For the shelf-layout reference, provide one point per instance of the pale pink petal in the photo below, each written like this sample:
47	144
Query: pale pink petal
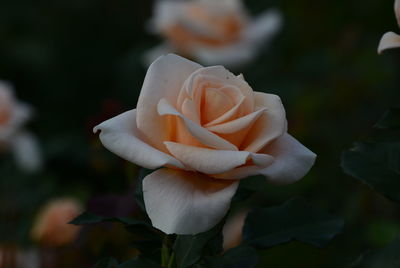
269	126
240	172
164	79
397	10
184	202
228	115
26	151
389	40
233	229
292	160
201	134
237	124
264	27
225	77
211	161
121	136
189	110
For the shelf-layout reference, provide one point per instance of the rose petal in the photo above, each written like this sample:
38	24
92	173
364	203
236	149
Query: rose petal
201	134
26	151
164	79
225	77
121	136
397	10
389	40
237	124
189	110
210	161
228	115
292	160
183	202
264	27
269	126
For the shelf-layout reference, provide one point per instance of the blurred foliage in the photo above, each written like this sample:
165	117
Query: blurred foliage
80	62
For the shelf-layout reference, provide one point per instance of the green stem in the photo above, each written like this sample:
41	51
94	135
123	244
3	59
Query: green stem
164	255
171	260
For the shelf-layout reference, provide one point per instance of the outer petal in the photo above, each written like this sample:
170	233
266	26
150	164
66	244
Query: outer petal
164	79
389	40
292	161
121	136
210	161
183	202
201	134
26	151
263	28
259	33
269	126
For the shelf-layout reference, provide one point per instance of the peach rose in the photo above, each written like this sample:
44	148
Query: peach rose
13	115
52	228
212	32
209	129
390	39
233	229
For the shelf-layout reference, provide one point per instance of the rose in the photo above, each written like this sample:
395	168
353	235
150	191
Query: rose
390	39
13	115
233	229
51	226
209	129
212	32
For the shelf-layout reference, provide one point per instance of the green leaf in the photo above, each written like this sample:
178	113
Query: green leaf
387	257
390	120
377	165
107	263
239	257
189	248
89	218
294	220
139	262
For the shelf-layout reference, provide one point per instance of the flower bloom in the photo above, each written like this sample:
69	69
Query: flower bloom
209	129
13	115
51	227
233	229
390	39
212	32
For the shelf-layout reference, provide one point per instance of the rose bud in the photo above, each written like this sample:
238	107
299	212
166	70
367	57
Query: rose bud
51	227
390	39
212	32
208	129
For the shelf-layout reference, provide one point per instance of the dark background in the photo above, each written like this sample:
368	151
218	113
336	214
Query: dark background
80	62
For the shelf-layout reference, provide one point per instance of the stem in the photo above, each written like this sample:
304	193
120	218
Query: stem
171	260
165	254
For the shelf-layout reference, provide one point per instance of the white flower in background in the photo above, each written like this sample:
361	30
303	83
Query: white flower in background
390	39
13	115
212	32
208	129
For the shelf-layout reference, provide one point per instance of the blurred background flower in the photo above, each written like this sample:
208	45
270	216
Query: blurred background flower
13	116
212	32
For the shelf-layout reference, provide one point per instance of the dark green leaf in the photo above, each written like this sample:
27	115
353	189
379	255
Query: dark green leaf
387	257
294	220
239	257
107	263
390	120
189	248
89	218
377	165
139	262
